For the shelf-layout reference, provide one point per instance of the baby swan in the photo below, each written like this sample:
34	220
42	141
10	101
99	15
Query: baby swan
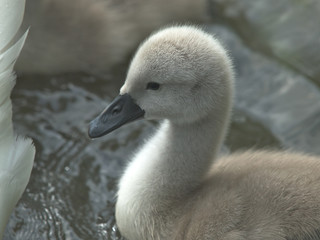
175	187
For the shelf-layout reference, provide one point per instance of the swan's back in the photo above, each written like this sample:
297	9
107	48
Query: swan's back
256	195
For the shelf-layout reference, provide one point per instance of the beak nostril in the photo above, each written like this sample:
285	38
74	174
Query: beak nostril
116	110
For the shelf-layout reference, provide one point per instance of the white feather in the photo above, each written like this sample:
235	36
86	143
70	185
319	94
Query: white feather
10	20
16	153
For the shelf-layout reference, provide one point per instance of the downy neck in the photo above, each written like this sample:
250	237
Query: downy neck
166	170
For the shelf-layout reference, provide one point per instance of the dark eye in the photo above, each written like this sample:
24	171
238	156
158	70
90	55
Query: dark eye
153	86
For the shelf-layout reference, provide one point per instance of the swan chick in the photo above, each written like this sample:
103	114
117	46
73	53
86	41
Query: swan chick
176	186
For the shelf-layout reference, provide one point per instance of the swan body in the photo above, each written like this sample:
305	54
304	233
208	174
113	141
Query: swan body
176	186
94	36
16	153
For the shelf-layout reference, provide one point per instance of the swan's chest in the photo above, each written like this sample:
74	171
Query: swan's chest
140	220
141	206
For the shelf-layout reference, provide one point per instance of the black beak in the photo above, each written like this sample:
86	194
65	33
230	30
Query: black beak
121	110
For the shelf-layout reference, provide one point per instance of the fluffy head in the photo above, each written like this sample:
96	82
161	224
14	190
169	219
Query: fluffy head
191	68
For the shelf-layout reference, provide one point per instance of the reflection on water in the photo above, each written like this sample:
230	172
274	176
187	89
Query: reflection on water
71	194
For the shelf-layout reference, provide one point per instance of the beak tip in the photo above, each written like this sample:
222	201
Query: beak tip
92	130
93	135
90	133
